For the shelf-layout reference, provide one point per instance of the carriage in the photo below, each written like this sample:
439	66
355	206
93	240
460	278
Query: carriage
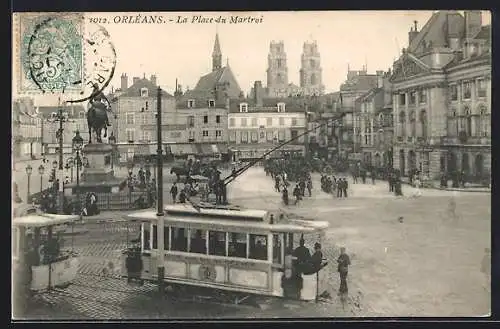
39	260
224	248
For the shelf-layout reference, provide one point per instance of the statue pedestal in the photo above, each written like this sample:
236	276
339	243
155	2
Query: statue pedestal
98	176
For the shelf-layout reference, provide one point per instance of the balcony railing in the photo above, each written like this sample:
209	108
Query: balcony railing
471	140
400	139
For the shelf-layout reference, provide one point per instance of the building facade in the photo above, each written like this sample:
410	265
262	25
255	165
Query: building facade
257	125
357	84
442	98
135	125
74	120
26	134
374	123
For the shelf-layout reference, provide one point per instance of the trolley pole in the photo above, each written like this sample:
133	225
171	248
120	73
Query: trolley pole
160	212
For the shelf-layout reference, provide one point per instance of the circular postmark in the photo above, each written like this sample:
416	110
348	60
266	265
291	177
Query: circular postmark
208	272
61	57
100	63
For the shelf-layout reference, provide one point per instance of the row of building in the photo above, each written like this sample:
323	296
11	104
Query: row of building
430	111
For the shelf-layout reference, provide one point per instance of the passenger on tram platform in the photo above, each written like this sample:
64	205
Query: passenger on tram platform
182	197
302	252
260	251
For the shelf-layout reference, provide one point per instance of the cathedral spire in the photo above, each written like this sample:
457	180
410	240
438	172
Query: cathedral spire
216	54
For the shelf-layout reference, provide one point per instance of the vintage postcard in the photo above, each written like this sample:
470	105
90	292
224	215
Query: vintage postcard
236	165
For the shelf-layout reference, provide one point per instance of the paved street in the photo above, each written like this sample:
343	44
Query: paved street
428	265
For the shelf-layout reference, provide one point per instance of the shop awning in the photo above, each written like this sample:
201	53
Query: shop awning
180	149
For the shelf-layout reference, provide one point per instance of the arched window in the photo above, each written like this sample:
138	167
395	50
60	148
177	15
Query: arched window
453	123
279	78
484	122
402	123
423	123
313	79
413	124
381	120
312	63
467	122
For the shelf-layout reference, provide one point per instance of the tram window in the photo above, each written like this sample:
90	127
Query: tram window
237	245
217	243
179	239
155	237
277	248
145	241
258	247
165	237
198	242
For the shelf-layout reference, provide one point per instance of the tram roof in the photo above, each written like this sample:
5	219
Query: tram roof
291	225
234	212
43	220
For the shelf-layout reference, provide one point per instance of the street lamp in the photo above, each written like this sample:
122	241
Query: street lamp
41	171
29	170
77	146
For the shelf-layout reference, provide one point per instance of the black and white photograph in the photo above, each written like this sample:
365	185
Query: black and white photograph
251	165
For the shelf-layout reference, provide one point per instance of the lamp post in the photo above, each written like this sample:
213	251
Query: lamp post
160	214
41	171
29	170
77	146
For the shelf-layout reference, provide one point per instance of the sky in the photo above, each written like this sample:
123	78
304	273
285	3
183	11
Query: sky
183	50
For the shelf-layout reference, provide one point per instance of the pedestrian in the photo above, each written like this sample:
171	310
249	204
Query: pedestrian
285	196
309	186
343	268
296	193
373	176
182	197
173	192
345	185
340	184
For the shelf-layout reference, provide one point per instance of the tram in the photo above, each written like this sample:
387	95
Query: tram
38	259
225	248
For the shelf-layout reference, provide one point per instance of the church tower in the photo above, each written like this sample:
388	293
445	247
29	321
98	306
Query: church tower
277	71
310	72
216	55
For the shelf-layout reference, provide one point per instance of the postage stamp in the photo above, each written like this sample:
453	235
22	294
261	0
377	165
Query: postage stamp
51	54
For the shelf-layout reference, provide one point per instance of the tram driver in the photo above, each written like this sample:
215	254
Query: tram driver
302	253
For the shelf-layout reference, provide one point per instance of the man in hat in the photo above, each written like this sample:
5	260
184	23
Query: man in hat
343	268
302	253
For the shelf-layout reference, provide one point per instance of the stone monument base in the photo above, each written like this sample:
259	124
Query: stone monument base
98	177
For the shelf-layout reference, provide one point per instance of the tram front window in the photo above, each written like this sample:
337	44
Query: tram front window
217	243
237	245
258	247
179	239
146	239
198	242
277	249
166	237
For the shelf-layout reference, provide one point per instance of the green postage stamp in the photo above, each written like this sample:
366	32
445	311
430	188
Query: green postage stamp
50	52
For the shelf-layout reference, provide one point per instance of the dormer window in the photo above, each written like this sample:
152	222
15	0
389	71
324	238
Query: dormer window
211	103
144	92
281	107
243	107
190	103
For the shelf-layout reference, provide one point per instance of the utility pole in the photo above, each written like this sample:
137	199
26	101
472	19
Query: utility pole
59	135
159	202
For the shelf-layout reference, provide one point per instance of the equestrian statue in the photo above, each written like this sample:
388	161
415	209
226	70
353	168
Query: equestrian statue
97	116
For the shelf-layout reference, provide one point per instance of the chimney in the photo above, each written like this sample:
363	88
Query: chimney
413	32
124	82
473	23
153	80
135	79
258	93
